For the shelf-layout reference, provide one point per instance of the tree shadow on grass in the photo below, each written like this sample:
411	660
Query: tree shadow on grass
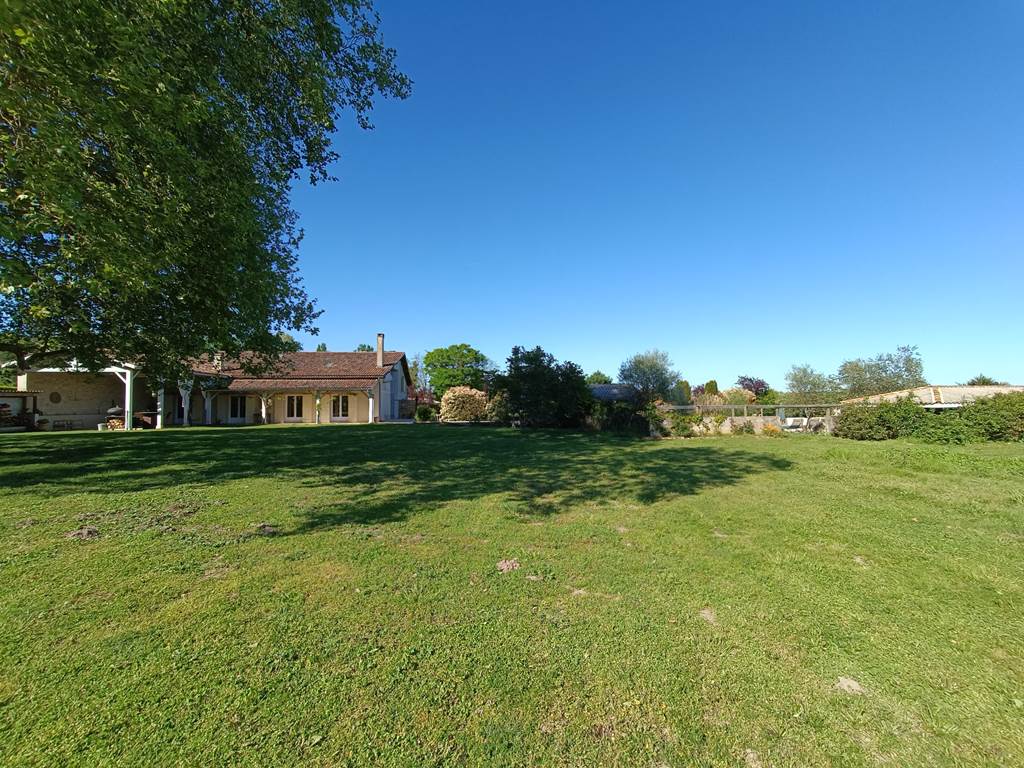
550	479
385	473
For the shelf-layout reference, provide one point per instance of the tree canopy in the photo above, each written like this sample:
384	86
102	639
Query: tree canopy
148	152
681	394
981	380
804	384
364	347
599	377
458	365
650	372
321	347
886	372
542	392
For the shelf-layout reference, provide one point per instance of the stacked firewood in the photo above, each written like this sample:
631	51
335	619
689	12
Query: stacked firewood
115	423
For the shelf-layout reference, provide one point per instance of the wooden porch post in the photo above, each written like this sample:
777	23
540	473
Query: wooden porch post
369	419
160	407
316	401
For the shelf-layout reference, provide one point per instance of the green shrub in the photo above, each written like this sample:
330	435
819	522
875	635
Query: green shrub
884	421
1000	417
463	404
681	424
424	413
945	428
655	416
618	416
744	427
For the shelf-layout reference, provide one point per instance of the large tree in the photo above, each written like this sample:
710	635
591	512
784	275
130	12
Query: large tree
456	366
147	152
650	372
805	385
543	392
886	372
599	377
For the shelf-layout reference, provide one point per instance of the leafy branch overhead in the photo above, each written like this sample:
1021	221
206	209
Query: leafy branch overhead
148	150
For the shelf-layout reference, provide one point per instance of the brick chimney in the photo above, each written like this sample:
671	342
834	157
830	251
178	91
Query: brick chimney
380	350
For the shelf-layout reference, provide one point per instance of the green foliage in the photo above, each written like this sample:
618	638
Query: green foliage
806	386
149	149
887	372
463	404
655	418
769	397
542	392
424	413
456	366
597	377
1000	417
651	373
711	388
683	424
618	416
981	380
364	347
288	343
8	375
947	428
742	427
884	421
321	347
681	394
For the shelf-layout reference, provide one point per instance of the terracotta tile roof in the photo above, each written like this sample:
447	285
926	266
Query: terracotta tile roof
296	384
311	365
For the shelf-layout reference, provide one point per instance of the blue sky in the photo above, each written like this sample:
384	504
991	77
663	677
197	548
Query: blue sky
744	185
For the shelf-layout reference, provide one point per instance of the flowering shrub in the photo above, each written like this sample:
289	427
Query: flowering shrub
463	404
753	384
772	430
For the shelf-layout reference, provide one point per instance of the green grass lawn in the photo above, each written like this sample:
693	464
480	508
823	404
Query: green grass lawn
331	596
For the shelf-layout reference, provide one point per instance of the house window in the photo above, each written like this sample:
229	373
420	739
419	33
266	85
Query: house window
294	410
237	407
339	407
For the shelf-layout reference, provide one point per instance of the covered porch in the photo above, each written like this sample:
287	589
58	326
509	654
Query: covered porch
237	406
72	398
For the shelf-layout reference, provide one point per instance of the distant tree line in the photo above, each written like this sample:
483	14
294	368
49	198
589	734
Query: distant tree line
535	389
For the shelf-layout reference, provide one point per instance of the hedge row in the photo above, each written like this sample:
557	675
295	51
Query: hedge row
1000	417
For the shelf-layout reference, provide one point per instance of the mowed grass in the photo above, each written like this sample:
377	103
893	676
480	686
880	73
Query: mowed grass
677	602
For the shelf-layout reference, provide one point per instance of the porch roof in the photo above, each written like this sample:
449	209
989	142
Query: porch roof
299	385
